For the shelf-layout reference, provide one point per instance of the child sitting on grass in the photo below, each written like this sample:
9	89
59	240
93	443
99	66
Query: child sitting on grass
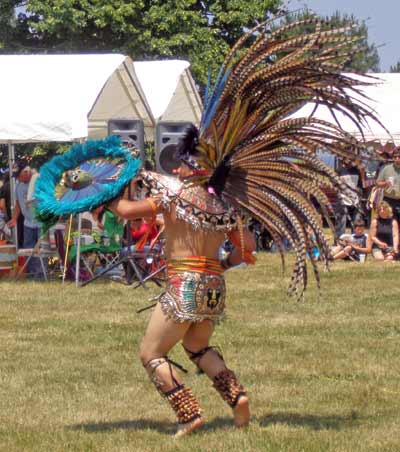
353	246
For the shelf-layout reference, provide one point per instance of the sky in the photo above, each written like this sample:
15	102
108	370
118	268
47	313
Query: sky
382	19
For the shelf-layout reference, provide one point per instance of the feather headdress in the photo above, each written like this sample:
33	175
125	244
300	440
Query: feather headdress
259	158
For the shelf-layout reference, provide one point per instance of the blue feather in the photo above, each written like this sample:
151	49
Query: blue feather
208	86
215	97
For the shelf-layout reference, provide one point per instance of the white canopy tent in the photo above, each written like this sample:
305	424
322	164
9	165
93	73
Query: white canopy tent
67	97
170	90
383	99
63	98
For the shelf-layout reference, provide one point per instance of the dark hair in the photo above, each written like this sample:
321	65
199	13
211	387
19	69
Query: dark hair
187	144
359	223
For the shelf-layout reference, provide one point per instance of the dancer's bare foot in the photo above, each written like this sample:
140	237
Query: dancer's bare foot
241	412
184	429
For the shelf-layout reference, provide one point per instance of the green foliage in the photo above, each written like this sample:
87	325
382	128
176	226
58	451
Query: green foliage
367	59
36	154
200	31
7	22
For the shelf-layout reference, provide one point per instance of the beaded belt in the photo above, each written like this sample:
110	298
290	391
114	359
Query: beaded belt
198	264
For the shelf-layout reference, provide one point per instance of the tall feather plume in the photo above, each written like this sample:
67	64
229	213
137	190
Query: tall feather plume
263	160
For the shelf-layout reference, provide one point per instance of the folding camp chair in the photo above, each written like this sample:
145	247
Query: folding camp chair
48	257
98	258
151	263
140	265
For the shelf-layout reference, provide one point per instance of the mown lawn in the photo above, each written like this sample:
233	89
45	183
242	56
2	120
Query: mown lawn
322	375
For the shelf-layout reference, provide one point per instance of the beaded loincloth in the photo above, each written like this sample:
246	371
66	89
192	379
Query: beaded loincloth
195	290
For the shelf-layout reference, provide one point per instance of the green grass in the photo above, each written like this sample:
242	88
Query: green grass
322	375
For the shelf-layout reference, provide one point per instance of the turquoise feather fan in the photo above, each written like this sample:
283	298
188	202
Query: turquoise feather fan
86	176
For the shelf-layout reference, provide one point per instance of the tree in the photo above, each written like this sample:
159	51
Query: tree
201	31
7	22
367	59
395	68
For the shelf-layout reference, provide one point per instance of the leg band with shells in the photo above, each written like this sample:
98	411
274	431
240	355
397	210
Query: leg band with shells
181	399
184	403
229	387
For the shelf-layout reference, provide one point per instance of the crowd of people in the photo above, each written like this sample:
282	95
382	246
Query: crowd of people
374	233
382	240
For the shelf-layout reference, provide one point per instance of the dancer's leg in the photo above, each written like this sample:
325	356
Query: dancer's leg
161	335
196	344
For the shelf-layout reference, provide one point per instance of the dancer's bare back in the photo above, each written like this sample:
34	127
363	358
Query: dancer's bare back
182	239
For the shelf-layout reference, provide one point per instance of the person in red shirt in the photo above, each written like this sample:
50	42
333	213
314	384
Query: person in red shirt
140	228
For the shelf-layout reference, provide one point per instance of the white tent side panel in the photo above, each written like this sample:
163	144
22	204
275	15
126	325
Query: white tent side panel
58	97
185	104
170	90
120	98
383	98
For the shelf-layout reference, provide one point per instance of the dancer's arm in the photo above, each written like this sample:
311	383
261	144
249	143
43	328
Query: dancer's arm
131	210
235	257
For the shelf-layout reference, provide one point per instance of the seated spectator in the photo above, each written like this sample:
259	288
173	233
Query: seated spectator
384	234
144	236
353	246
141	228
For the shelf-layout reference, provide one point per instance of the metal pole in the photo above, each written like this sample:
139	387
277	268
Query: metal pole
78	250
11	161
78	245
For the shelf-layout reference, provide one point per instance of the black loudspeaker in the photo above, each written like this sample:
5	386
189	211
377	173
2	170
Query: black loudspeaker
131	132
168	134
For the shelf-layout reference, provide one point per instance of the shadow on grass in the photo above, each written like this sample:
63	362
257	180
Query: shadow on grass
146	424
140	424
315	422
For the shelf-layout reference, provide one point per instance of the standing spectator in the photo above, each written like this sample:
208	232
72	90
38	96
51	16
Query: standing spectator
348	203
384	234
389	180
31	227
5	210
5	199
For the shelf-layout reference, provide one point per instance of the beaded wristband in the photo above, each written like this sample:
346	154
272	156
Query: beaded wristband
153	206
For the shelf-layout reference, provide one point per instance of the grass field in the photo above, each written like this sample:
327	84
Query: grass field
322	375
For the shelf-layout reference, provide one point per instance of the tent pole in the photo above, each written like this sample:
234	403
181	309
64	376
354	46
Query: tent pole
11	161
78	250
